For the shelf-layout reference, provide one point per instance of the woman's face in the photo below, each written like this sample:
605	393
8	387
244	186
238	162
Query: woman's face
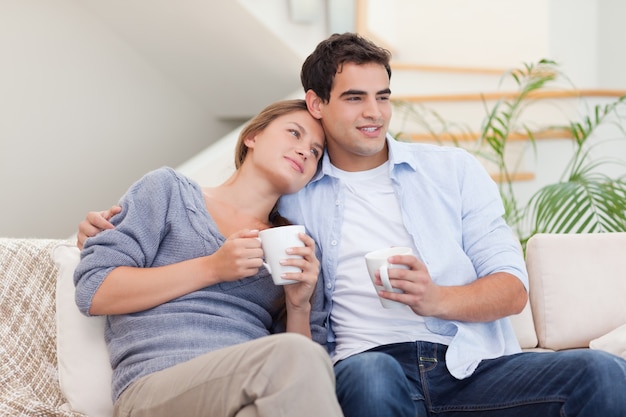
288	150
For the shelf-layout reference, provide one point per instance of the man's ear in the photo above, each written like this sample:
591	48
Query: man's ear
313	103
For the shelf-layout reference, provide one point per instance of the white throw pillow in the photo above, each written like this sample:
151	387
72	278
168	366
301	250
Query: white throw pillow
83	358
613	342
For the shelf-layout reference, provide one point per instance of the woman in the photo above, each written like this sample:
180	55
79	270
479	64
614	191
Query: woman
191	312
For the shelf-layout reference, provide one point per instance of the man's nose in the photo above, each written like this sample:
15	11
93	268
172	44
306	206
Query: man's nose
372	109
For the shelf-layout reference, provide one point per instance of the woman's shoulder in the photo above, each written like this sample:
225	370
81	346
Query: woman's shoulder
164	173
163	176
161	184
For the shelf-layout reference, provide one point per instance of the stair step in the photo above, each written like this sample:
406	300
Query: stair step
474	136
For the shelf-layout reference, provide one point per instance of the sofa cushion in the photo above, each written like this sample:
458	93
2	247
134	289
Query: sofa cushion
28	366
613	342
83	359
577	286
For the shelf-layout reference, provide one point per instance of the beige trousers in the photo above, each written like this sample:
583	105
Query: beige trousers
284	375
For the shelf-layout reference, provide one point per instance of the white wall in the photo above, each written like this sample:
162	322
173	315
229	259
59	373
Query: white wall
585	36
611	40
80	113
300	24
588	38
573	39
481	33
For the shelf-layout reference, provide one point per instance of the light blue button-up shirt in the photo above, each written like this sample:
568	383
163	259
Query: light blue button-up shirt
453	211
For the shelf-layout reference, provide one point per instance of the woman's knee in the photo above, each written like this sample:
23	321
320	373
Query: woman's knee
298	348
295	342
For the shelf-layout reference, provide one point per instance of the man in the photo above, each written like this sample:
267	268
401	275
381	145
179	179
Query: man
452	349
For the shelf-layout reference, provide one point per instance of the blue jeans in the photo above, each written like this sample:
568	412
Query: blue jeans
411	380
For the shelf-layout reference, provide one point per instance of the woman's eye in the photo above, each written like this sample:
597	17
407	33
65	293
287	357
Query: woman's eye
295	133
315	152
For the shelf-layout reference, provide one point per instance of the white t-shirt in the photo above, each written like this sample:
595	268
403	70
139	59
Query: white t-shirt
357	317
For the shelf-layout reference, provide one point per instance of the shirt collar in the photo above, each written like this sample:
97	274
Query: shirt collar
396	157
398	154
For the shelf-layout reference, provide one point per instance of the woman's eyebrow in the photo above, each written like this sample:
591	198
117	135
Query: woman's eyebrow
316	144
299	127
303	130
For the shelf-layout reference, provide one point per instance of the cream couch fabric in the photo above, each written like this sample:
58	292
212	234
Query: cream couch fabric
577	283
577	290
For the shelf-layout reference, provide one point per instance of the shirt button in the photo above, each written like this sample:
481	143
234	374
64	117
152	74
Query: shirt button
334	243
329	285
337	202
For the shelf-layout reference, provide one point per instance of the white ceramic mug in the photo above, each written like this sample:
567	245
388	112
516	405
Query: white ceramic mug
275	242
377	261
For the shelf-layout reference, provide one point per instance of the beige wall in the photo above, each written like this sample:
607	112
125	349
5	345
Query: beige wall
585	36
482	33
72	97
95	94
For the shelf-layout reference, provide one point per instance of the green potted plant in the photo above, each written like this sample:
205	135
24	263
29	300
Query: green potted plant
584	199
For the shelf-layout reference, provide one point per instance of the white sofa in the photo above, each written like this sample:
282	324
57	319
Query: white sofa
53	361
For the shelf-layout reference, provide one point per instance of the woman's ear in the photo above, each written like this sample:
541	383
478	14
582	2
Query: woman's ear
250	140
313	103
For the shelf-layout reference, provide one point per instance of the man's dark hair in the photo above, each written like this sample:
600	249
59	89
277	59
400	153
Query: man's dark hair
319	69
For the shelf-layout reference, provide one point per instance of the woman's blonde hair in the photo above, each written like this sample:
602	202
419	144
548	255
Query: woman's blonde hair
261	121
257	125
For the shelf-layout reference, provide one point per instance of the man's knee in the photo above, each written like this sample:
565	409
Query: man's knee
369	364
607	370
373	384
370	374
604	374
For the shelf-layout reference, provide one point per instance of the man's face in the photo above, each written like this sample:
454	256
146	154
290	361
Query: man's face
357	116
